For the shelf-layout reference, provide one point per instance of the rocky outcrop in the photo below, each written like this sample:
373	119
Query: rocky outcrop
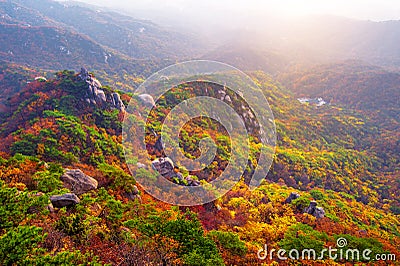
247	117
78	182
312	209
66	200
134	194
191	182
147	100
292	197
165	166
159	145
94	93
117	102
96	96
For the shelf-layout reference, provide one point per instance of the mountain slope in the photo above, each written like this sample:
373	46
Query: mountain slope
13	78
329	147
370	91
53	125
310	40
49	47
249	58
52	48
137	39
350	83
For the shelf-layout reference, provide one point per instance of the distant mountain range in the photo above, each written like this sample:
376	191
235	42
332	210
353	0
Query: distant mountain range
308	41
117	43
138	39
52	35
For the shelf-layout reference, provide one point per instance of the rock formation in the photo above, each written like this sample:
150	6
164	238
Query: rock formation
65	200
312	209
95	95
134	194
147	100
292	197
165	166
78	182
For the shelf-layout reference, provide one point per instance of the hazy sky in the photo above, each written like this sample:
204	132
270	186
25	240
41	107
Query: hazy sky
362	9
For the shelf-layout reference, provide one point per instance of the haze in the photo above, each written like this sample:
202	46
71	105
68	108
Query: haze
194	10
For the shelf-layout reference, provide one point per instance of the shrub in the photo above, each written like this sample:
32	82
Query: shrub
301	203
185	229
229	241
26	146
14	205
73	225
17	244
301	236
120	179
317	195
48	181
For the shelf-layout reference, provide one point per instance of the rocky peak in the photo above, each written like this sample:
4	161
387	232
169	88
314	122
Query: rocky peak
95	94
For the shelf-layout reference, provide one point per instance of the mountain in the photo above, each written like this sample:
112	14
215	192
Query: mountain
13	78
337	38
138	39
368	90
69	197
275	45
248	57
50	128
352	84
51	35
49	47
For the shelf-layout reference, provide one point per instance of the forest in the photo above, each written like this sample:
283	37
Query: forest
328	155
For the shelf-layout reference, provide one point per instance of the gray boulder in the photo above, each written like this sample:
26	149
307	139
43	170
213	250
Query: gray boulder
134	194
159	145
84	73
312	209
165	166
292	197
141	165
100	96
192	182
117	102
78	182
228	99
147	100
319	212
65	200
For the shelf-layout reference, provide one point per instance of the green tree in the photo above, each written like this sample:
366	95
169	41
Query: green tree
195	248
